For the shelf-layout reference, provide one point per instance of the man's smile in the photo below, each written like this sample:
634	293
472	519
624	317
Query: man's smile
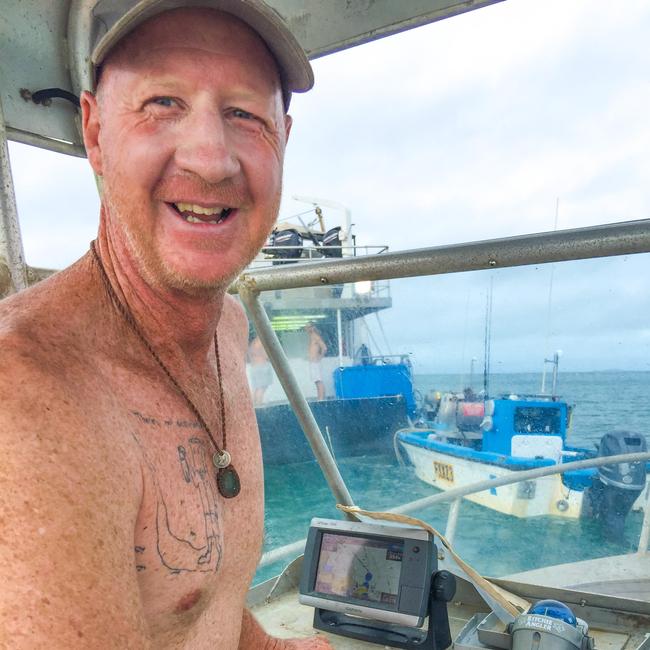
194	213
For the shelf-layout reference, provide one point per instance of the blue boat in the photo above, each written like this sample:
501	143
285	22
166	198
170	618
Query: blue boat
471	440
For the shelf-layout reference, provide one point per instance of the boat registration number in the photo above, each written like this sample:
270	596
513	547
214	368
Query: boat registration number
443	471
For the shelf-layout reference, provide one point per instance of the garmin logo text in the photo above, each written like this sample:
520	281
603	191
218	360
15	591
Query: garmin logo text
354	610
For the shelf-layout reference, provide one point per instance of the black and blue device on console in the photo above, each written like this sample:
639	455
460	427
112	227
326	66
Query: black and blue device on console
376	582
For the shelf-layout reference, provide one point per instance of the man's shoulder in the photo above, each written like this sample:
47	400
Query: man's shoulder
26	358
46	300
43	353
234	322
47	384
36	323
23	360
36	389
70	493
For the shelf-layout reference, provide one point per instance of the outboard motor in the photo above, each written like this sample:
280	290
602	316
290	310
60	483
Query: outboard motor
616	487
332	243
290	243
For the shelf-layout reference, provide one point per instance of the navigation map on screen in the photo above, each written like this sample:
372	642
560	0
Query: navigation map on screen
361	568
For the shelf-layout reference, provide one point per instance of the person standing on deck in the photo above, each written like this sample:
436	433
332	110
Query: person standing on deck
316	350
260	369
132	490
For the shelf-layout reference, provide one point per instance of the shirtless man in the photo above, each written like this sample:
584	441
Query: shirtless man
316	350
114	531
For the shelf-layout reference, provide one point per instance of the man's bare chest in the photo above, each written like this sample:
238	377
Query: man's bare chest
193	550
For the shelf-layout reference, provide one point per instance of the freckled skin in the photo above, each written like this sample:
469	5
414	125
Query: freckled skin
114	531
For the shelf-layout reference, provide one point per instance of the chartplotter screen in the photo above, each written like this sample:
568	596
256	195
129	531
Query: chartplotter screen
360	568
372	570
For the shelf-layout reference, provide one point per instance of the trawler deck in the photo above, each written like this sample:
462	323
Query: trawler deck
620	623
596	576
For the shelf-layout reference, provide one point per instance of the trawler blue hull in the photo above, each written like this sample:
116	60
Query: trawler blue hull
351	427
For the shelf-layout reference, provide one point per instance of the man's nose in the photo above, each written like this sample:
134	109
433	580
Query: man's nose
205	148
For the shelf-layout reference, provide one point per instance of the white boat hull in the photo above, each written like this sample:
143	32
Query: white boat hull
545	496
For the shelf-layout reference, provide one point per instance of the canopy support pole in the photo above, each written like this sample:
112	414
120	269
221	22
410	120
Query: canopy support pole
13	273
339	334
249	296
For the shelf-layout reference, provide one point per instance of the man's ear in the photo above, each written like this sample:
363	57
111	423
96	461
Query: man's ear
91	127
288	121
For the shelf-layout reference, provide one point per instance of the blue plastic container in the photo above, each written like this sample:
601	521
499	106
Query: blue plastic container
375	381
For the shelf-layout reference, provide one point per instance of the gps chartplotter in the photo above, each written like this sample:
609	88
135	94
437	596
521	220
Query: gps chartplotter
376	582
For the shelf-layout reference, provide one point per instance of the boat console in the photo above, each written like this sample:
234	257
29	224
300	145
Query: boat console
369	584
577	619
377	583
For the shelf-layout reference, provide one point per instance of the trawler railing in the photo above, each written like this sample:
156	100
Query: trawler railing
457	494
607	240
287	255
290	256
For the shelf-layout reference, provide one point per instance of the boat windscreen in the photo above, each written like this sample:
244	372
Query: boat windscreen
530	419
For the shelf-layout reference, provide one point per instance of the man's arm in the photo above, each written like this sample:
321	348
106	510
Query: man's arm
253	637
68	502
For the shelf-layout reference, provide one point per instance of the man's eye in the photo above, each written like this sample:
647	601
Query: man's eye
242	114
245	121
166	102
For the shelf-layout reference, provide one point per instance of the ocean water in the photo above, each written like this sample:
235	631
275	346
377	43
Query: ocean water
493	543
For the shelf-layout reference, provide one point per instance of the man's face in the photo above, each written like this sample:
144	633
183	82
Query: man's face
188	133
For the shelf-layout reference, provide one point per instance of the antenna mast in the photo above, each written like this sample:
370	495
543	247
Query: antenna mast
487	341
548	309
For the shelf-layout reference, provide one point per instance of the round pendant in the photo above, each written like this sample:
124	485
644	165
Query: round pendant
221	459
228	482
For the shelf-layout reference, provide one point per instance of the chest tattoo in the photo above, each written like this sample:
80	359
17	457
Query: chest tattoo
187	527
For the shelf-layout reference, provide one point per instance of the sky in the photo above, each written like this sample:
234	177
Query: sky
471	128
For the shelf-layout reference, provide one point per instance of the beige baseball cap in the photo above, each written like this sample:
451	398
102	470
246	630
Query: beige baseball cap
112	20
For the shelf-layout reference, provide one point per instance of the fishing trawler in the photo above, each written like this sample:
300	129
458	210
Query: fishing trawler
367	395
610	592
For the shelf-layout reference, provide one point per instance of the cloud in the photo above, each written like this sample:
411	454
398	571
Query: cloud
596	311
480	122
